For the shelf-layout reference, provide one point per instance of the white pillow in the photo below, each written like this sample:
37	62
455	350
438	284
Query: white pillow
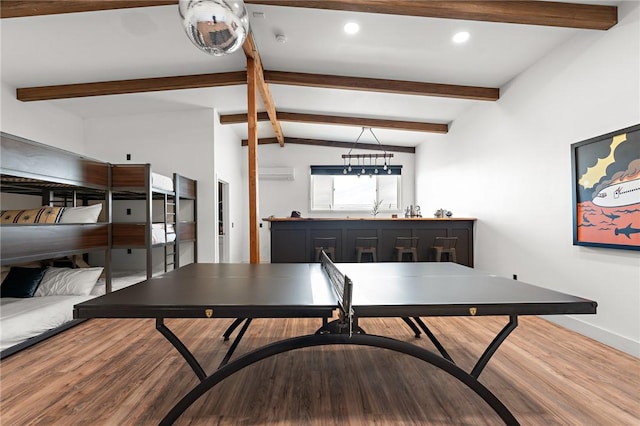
88	214
68	282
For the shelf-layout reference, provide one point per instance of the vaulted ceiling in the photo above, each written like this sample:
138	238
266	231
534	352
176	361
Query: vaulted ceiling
401	74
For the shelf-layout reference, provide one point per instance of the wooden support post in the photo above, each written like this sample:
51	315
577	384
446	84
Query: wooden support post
254	237
251	51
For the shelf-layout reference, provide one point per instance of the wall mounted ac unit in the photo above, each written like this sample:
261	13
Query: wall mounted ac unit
276	173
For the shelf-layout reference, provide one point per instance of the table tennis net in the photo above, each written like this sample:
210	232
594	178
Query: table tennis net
341	284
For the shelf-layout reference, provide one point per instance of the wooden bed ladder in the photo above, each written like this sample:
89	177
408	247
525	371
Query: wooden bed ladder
170	218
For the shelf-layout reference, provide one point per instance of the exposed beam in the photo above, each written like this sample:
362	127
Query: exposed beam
557	14
140	85
251	51
416	126
241	118
254	236
336	144
22	8
365	122
380	85
554	14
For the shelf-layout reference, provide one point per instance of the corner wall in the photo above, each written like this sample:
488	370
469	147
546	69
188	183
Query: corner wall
230	167
176	142
40	122
508	164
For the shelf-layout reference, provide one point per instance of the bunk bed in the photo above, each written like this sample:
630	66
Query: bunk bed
68	189
66	181
186	215
161	225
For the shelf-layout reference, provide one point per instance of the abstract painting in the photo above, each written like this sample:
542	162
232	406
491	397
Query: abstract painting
606	190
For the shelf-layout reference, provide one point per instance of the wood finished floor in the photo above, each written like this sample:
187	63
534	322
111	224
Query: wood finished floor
123	372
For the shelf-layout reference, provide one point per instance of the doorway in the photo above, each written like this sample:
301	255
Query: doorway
223	221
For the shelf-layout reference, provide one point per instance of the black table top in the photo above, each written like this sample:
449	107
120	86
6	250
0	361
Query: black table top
302	290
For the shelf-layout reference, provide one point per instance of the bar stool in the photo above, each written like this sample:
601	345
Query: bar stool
366	245
445	245
407	245
328	244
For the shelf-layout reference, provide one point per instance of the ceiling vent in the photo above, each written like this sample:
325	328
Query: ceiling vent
276	173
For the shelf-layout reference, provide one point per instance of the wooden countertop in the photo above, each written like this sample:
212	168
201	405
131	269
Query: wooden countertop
319	219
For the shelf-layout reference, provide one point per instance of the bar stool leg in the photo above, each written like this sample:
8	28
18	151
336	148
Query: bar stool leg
438	254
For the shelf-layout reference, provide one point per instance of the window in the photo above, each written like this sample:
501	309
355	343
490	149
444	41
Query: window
331	190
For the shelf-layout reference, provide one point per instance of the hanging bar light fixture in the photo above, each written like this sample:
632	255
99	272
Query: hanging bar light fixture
372	168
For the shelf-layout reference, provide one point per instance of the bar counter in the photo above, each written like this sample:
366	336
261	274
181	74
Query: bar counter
292	239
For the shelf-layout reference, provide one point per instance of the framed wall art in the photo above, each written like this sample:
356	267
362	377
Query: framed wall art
606	190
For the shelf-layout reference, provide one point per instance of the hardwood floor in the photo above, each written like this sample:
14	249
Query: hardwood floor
123	372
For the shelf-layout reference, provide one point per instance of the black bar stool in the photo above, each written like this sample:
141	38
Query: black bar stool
328	244
366	245
407	245
446	246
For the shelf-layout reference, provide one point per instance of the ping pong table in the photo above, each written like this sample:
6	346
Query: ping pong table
319	290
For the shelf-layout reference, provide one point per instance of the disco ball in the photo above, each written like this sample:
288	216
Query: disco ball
217	27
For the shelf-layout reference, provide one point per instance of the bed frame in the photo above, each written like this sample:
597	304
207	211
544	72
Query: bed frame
30	168
134	182
58	176
186	228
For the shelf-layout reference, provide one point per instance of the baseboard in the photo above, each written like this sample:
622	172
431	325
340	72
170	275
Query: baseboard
606	337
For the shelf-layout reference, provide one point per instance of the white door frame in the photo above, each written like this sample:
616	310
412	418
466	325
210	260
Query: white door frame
223	209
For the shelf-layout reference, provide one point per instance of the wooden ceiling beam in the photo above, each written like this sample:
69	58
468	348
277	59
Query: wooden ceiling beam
556	14
365	122
140	85
415	126
251	51
23	8
336	144
381	85
241	118
544	13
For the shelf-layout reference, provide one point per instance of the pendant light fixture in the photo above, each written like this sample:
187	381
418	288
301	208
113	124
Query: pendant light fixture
363	169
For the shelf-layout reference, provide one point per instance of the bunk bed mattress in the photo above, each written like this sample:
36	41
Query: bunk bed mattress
158	235
161	182
22	319
119	280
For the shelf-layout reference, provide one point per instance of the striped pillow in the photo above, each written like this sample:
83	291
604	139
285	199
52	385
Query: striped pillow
44	214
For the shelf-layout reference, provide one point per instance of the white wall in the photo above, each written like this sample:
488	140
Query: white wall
41	122
230	167
508	164
279	197
180	142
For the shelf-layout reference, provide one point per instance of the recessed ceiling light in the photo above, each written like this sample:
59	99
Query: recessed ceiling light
351	28
461	37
